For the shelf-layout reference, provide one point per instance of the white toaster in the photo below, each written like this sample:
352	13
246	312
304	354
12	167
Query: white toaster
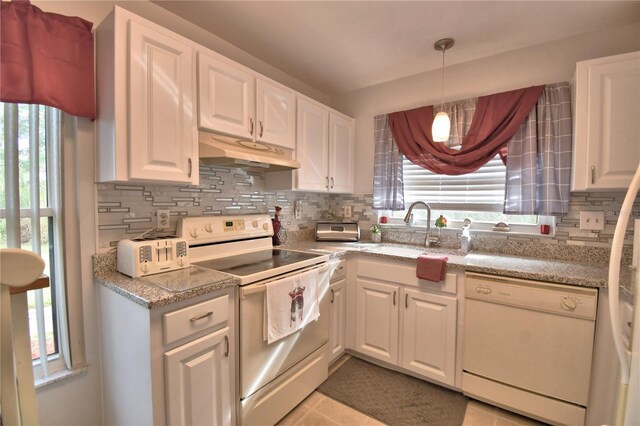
141	257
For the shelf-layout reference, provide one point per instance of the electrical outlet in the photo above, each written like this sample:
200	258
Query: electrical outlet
297	209
162	217
593	221
347	211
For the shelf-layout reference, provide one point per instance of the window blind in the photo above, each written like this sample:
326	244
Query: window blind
482	190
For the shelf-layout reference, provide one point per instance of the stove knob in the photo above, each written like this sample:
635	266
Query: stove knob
194	233
144	267
208	227
254	223
265	226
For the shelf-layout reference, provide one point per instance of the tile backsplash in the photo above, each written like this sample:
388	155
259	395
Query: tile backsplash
127	210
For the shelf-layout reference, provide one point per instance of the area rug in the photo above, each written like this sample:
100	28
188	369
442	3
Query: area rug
394	398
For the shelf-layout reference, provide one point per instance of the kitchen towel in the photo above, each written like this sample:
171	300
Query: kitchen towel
290	304
431	268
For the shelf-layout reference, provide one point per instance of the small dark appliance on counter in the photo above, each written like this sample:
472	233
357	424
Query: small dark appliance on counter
337	231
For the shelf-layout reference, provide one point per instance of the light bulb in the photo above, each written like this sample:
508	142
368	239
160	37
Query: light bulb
441	127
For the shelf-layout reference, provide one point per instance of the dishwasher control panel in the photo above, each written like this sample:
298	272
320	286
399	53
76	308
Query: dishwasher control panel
528	294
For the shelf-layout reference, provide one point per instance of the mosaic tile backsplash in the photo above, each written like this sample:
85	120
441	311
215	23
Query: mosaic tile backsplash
126	210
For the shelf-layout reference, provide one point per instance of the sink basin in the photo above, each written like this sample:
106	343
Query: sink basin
398	251
415	251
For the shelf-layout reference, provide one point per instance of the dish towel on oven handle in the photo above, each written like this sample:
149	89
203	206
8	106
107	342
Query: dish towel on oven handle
290	304
431	268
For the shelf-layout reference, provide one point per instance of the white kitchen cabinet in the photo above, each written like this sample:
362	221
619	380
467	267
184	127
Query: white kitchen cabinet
606	147
325	148
276	114
174	364
341	153
226	97
312	146
235	101
377	320
146	128
337	318
429	335
405	321
197	381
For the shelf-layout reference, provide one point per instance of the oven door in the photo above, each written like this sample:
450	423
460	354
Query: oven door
260	363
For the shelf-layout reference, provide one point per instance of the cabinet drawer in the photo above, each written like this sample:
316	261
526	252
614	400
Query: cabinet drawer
405	274
338	269
187	321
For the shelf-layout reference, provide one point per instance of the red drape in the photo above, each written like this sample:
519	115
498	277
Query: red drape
495	121
46	59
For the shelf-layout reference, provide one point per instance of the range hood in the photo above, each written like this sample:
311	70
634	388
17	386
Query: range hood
219	150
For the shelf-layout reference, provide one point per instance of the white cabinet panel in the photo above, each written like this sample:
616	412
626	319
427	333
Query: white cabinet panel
312	150
607	128
146	127
377	320
198	381
226	97
276	114
341	153
429	335
337	318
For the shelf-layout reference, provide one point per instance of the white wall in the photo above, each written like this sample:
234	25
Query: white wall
545	63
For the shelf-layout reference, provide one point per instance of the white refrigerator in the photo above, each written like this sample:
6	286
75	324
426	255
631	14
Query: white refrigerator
628	352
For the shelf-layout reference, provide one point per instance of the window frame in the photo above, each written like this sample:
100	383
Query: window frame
395	218
51	365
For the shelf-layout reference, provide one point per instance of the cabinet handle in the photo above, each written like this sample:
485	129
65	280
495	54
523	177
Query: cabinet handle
261	128
332	182
406	301
332	295
394	298
226	342
203	316
190	167
251	128
327	184
593	174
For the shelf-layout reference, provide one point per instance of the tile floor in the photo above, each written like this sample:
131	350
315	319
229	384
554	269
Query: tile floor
320	410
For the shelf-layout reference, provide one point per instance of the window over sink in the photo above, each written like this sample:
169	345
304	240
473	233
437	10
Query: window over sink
478	196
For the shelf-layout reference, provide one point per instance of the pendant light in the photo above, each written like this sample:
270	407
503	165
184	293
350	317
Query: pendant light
442	124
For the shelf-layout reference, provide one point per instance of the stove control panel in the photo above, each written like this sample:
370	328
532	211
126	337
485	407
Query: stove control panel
215	229
141	257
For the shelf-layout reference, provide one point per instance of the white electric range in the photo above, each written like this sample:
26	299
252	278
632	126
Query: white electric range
273	378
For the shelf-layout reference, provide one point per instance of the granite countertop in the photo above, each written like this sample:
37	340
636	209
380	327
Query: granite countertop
147	291
148	294
549	270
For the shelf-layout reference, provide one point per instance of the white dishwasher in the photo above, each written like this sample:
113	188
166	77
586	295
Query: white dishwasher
528	346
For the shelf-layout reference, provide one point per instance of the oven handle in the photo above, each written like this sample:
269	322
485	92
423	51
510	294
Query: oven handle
262	286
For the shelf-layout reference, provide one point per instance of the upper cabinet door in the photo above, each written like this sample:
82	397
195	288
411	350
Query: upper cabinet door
312	149
276	114
341	153
226	98
162	132
607	124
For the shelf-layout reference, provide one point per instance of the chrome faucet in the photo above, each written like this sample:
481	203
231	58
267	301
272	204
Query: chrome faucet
429	239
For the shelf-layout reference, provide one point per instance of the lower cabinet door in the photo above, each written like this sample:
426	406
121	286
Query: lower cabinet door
377	320
337	318
429	335
198	382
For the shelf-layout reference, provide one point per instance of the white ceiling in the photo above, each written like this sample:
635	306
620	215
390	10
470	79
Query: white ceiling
340	46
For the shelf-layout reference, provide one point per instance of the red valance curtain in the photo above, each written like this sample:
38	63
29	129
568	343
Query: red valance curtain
495	121
46	59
